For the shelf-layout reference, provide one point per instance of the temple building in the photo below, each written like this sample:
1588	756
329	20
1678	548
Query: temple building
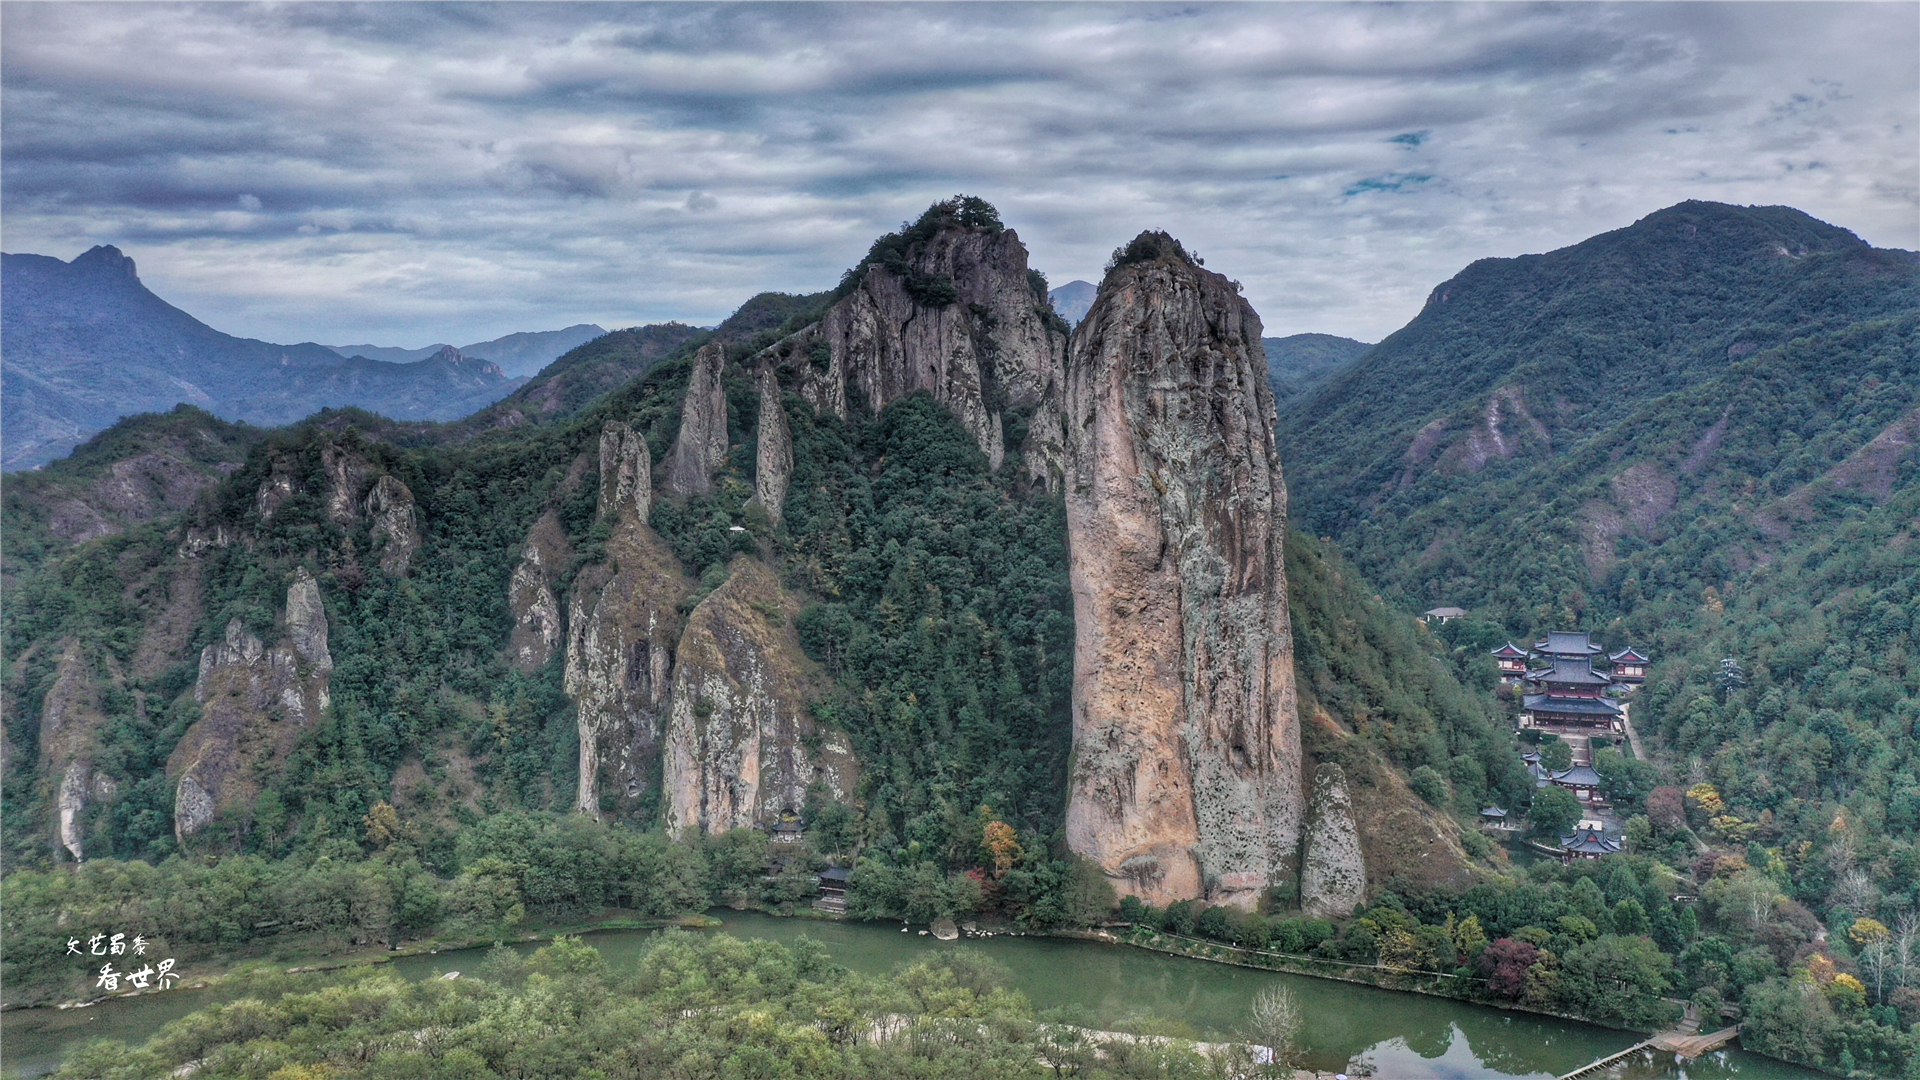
1567	694
1588	841
1570	695
1512	662
1629	666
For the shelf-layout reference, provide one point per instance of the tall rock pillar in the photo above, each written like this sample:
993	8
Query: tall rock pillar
1186	745
702	443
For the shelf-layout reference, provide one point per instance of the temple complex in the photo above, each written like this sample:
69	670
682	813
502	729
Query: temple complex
1567	693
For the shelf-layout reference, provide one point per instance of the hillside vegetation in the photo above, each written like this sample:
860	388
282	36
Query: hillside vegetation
1695	435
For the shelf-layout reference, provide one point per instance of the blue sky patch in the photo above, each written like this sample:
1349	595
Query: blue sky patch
1388	182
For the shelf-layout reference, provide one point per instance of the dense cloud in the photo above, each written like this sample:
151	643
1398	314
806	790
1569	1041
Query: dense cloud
412	173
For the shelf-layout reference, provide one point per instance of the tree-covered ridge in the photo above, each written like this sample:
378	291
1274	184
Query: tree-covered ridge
1299	362
1590	333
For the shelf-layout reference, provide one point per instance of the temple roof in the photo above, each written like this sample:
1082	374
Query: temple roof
1510	651
1579	775
1445	613
1578	706
836	875
1493	811
1589	842
1567	643
1573	671
1630	655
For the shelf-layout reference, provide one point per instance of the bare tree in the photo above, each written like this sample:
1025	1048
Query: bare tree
1906	949
1877	963
1854	891
1275	1024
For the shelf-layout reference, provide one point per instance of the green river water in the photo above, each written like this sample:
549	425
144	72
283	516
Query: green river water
1389	1035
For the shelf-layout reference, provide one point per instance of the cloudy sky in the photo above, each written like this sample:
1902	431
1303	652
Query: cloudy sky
402	174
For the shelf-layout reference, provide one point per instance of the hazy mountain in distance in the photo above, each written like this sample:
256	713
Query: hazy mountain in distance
85	343
1298	362
523	353
1073	299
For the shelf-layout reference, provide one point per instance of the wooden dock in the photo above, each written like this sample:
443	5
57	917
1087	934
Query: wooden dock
1683	1041
1692	1046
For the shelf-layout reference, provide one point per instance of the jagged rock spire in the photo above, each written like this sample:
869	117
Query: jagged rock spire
701	445
1186	763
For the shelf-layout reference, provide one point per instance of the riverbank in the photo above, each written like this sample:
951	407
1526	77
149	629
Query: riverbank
1430	983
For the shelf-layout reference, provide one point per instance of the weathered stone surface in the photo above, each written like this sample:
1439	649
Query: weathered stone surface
70	716
701	445
620	650
307	625
396	524
536	632
255	702
989	349
1186	766
773	466
71	802
739	723
346	476
198	540
626	472
1333	872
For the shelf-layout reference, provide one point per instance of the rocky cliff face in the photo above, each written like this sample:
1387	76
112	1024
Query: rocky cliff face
255	702
702	443
1333	872
620	654
1186	771
742	745
984	350
537	626
69	718
773	465
395	524
626	472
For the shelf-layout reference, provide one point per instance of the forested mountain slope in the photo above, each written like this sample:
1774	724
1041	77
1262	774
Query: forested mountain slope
1696	434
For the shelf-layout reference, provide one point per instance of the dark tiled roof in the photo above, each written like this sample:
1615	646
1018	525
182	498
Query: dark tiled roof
1580	775
1567	643
1589	842
835	875
1570	671
1493	811
1572	706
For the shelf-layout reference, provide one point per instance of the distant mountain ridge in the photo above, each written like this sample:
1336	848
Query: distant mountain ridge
86	343
518	354
1298	362
1072	300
